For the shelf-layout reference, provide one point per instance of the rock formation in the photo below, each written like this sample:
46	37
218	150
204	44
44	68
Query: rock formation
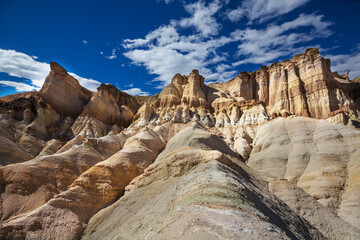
320	157
193	189
272	153
63	92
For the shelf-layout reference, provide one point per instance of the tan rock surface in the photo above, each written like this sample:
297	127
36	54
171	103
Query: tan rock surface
194	191
94	189
320	157
303	86
76	152
28	185
10	152
188	90
111	106
328	223
63	92
88	126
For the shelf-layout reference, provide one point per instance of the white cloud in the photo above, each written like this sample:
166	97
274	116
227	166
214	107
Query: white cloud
136	91
113	54
21	65
35	57
101	53
261	46
162	36
263	10
180	56
346	62
165	52
202	17
20	87
88	83
85	42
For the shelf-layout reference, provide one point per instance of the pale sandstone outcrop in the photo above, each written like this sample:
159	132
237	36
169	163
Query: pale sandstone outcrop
51	147
88	126
31	184
31	145
107	145
111	106
108	111
92	190
303	86
187	90
320	157
63	92
327	222
199	178
194	191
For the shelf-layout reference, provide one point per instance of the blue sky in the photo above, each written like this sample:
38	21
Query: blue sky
139	45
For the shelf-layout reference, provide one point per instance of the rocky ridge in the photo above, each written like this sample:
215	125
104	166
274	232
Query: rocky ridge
190	156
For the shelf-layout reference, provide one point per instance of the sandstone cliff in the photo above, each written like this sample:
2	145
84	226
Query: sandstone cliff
273	153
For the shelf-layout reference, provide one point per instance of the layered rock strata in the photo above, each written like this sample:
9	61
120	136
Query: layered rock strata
320	157
258	160
94	189
196	188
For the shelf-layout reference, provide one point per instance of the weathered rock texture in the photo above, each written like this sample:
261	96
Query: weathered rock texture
273	153
94	189
328	223
320	157
301	86
194	191
64	92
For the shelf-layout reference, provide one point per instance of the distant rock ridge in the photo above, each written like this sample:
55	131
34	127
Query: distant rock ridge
301	86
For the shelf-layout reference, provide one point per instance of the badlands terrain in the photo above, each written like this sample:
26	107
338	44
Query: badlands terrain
271	154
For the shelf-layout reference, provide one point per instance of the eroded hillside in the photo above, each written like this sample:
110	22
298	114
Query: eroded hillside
273	153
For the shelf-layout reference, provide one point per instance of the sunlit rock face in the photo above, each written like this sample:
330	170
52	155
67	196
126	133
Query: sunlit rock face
272	153
301	86
63	92
320	157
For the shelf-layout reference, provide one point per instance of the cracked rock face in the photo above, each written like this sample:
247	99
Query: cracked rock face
270	154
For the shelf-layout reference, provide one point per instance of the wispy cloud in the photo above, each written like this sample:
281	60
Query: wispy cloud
167	50
180	56
136	91
88	83
202	17
260	46
263	10
85	41
113	54
346	62
20	87
21	65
